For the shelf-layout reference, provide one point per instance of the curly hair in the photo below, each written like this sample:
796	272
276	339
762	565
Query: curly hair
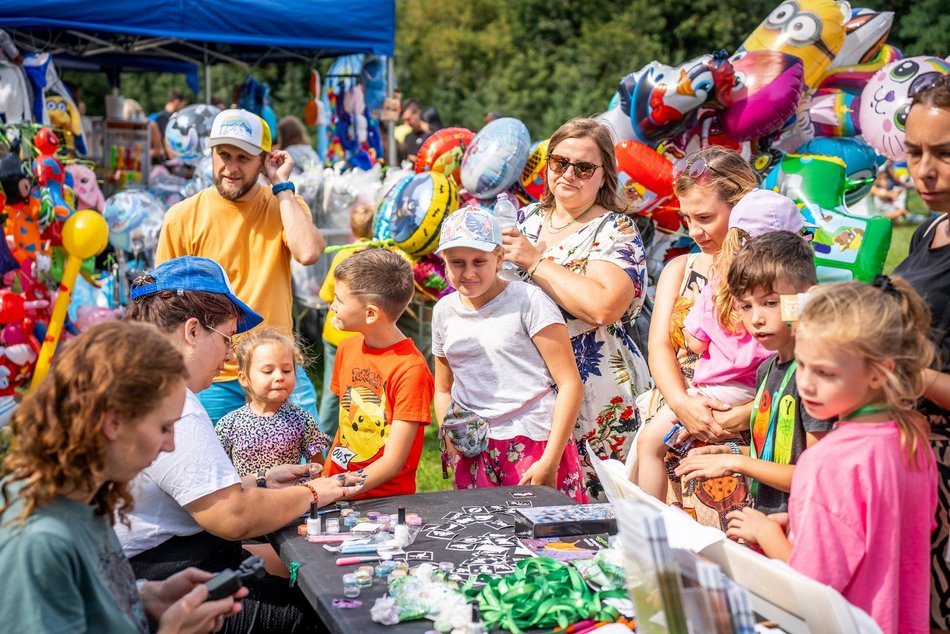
879	326
122	368
609	196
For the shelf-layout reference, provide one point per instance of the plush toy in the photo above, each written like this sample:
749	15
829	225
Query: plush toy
86	187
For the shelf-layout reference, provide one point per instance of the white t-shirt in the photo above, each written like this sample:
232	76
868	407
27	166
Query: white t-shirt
496	367
198	467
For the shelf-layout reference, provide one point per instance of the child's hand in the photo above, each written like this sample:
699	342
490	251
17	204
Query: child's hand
704	466
749	524
540	473
707	450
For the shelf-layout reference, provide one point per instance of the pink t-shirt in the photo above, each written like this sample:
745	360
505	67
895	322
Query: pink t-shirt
729	358
860	522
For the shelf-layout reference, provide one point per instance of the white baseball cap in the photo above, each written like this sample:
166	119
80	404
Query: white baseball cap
241	129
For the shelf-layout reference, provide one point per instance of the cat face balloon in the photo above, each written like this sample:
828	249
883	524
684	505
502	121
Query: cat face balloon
886	100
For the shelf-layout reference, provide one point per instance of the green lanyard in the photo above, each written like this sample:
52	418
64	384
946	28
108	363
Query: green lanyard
786	422
867	410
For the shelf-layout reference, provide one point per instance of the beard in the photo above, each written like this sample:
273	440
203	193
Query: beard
236	194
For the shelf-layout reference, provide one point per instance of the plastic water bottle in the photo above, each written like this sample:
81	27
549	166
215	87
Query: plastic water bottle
507	216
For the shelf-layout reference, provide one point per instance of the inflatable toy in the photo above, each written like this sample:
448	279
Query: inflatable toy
664	100
617	118
86	187
85	234
495	158
835	114
846	247
420	208
384	212
861	163
532	177
50	176
430	279
886	99
768	87
443	152
63	115
812	30
647	178
852	79
187	131
865	33
125	211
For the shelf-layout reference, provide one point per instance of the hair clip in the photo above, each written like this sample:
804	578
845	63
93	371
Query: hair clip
180	292
885	283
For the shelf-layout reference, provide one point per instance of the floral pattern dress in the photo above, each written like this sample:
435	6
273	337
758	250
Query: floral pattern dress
611	366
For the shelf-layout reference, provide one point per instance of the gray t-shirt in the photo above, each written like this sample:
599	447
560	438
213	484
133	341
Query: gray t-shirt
64	571
496	367
767	499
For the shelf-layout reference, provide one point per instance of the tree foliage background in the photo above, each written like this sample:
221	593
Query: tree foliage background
543	61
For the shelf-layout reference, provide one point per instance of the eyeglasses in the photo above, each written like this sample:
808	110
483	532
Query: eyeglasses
698	169
582	169
928	81
227	338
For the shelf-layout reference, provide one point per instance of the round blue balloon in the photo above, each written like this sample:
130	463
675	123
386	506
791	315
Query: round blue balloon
384	213
495	158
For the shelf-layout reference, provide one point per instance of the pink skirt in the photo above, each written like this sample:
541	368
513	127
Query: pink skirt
505	461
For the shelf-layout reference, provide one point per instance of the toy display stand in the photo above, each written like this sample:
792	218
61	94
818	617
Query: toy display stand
124	157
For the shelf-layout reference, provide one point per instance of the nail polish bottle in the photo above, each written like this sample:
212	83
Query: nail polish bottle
401	530
313	522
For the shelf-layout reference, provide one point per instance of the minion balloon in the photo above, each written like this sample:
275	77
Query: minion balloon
813	30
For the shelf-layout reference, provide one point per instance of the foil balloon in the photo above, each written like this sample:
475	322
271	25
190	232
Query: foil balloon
532	177
384	212
495	158
768	87
647	178
852	79
708	130
835	114
420	208
429	276
886	101
865	34
664	100
617	119
846	247
50	176
125	211
443	152
187	131
812	30
860	159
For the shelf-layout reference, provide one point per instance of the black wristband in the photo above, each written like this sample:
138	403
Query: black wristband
262	478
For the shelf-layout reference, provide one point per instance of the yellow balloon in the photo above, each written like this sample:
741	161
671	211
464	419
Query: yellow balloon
85	234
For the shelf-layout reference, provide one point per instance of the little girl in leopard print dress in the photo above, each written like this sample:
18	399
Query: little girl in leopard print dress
270	430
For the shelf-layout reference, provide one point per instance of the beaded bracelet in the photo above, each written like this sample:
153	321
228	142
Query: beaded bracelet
535	267
311	489
733	446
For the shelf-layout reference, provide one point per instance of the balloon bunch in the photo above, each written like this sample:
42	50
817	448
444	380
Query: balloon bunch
808	81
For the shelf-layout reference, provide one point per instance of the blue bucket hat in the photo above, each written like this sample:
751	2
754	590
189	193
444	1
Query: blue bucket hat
191	273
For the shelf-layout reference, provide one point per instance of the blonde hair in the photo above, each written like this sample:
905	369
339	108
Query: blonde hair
886	322
723	301
249	344
728	175
121	367
609	196
361	221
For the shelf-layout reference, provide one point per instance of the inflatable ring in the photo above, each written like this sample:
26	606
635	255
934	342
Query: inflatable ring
420	208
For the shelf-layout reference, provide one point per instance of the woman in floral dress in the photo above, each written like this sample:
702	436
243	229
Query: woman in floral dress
581	249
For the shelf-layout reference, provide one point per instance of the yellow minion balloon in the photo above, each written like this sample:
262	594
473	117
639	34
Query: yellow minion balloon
813	30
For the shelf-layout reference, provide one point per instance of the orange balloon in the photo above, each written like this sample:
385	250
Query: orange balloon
443	151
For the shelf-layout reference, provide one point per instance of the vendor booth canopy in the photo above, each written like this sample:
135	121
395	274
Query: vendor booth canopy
203	31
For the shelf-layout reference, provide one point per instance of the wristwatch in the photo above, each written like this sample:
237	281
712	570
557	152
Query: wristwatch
279	187
262	478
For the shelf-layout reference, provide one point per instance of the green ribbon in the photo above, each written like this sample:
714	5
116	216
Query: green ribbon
362	244
540	593
293	568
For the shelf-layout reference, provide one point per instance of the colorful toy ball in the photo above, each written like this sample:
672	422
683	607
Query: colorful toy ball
125	211
420	208
496	157
186	135
886	99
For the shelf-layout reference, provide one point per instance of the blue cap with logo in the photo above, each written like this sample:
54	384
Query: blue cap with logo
191	273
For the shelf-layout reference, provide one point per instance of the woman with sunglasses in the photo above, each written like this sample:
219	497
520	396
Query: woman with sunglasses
927	268
191	506
578	245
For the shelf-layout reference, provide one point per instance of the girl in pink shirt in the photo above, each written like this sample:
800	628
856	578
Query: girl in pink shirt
863	499
730	355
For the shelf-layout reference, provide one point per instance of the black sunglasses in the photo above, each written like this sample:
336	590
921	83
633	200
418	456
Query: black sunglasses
582	169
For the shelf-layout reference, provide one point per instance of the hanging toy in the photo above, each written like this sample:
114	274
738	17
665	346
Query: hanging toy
50	176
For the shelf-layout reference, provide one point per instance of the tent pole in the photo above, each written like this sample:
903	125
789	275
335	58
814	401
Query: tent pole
391	128
207	78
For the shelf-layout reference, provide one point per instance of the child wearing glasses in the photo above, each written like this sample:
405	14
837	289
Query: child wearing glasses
730	355
270	430
507	389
